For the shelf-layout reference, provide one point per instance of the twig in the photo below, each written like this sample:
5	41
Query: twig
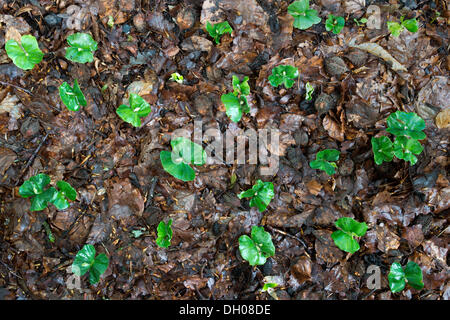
288	235
17	87
35	153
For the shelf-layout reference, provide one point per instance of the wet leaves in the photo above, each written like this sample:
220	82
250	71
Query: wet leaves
24	54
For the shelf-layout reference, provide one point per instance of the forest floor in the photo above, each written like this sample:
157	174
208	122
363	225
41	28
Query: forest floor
123	191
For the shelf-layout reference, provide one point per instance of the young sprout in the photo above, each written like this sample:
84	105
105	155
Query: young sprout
82	47
26	54
349	228
396	28
34	188
360	21
398	276
325	160
236	103
261	194
284	74
217	30
184	152
177	77
407	127
309	91
304	17
72	98
139	108
85	261
334	24
257	248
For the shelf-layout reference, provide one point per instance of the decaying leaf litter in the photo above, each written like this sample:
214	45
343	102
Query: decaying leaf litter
359	76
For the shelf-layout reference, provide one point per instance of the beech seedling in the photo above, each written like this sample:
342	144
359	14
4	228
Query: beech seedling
257	248
344	238
334	24
26	54
138	108
399	276
85	261
325	160
284	74
218	29
82	47
72	97
304	17
35	188
260	195
396	28
236	103
184	152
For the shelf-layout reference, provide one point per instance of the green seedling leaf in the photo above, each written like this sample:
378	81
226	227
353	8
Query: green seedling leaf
240	87
139	108
177	77
72	98
395	28
304	17
284	74
261	194
26	54
268	286
184	152
406	149
325	160
258	248
398	276
344	238
411	25
334	24
360	21
406	124
85	260
34	187
413	275
235	106
164	234
82	47
217	30
309	91
382	149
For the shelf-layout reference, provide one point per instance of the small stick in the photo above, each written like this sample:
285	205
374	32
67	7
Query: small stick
17	87
35	153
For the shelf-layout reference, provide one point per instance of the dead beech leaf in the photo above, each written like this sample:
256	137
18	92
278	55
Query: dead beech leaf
302	269
314	187
354	5
7	158
443	119
387	240
380	52
333	128
13	34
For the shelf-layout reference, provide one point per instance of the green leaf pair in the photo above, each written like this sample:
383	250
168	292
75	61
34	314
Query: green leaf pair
34	187
72	98
309	91
26	54
325	160
184	152
344	238
396	28
218	29
139	108
261	194
258	248
304	17
407	127
178	78
164	234
236	103
334	24
398	276
82	47
85	261
284	74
